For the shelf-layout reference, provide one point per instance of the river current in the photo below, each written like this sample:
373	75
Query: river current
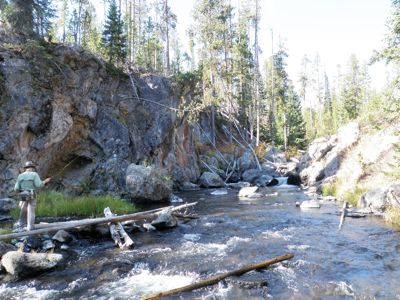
362	261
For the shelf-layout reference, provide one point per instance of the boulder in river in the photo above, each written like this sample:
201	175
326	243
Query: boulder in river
164	220
248	191
209	179
257	177
147	183
313	203
22	264
63	237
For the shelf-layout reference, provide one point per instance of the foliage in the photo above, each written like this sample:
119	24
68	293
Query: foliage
353	196
114	39
260	150
56	204
392	216
330	189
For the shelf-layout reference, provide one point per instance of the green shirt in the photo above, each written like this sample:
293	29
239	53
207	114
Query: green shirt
28	181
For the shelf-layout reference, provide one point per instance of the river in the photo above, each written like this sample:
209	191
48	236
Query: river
362	261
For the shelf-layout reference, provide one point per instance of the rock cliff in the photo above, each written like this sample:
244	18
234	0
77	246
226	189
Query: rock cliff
82	121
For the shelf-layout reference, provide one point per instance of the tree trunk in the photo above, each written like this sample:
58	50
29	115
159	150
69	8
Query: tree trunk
215	279
118	233
44	228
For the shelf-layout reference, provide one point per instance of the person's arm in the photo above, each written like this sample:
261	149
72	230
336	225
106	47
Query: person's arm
37	182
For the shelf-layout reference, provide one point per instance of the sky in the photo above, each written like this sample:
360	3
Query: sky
332	28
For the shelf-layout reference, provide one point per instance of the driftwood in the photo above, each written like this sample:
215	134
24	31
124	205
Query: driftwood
343	216
44	228
118	233
215	279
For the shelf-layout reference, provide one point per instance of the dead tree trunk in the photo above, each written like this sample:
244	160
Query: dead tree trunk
44	228
215	279
118	233
343	216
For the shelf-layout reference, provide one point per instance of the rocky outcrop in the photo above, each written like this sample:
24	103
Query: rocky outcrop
323	156
62	106
147	183
380	199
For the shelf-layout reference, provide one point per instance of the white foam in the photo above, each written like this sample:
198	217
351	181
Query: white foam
140	284
191	248
25	292
234	241
299	247
209	224
192	237
279	234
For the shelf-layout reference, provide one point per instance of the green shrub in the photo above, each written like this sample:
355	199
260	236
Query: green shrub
56	204
392	216
354	195
330	189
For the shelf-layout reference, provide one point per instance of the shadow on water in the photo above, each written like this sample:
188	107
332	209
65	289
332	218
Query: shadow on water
359	262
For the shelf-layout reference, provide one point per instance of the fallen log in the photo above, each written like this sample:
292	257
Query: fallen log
118	233
343	216
215	279
44	228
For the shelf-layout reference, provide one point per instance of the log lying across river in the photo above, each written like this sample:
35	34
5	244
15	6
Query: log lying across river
49	227
217	278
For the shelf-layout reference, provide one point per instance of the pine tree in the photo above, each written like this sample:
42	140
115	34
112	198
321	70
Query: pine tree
43	13
296	128
21	17
352	93
114	39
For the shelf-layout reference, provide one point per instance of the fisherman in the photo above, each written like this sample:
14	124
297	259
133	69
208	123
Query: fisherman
27	184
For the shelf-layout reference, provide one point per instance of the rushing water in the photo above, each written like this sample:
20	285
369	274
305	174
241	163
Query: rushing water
362	261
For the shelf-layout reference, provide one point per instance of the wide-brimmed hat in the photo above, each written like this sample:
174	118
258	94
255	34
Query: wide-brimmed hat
29	164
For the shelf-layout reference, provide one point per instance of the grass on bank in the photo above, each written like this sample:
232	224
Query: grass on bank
392	216
56	204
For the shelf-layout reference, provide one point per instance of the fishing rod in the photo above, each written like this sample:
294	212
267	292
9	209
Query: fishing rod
65	167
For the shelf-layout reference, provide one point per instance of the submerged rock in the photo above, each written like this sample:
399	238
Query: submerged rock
220	192
248	191
238	185
22	264
310	204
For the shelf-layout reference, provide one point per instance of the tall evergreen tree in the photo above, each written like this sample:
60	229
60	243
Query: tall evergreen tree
352	92
21	17
296	127
114	38
43	13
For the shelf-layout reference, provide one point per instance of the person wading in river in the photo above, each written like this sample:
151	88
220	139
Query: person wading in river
27	184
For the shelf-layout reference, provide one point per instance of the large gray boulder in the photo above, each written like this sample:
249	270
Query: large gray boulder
246	161
147	183
378	200
22	264
208	179
257	177
164	220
